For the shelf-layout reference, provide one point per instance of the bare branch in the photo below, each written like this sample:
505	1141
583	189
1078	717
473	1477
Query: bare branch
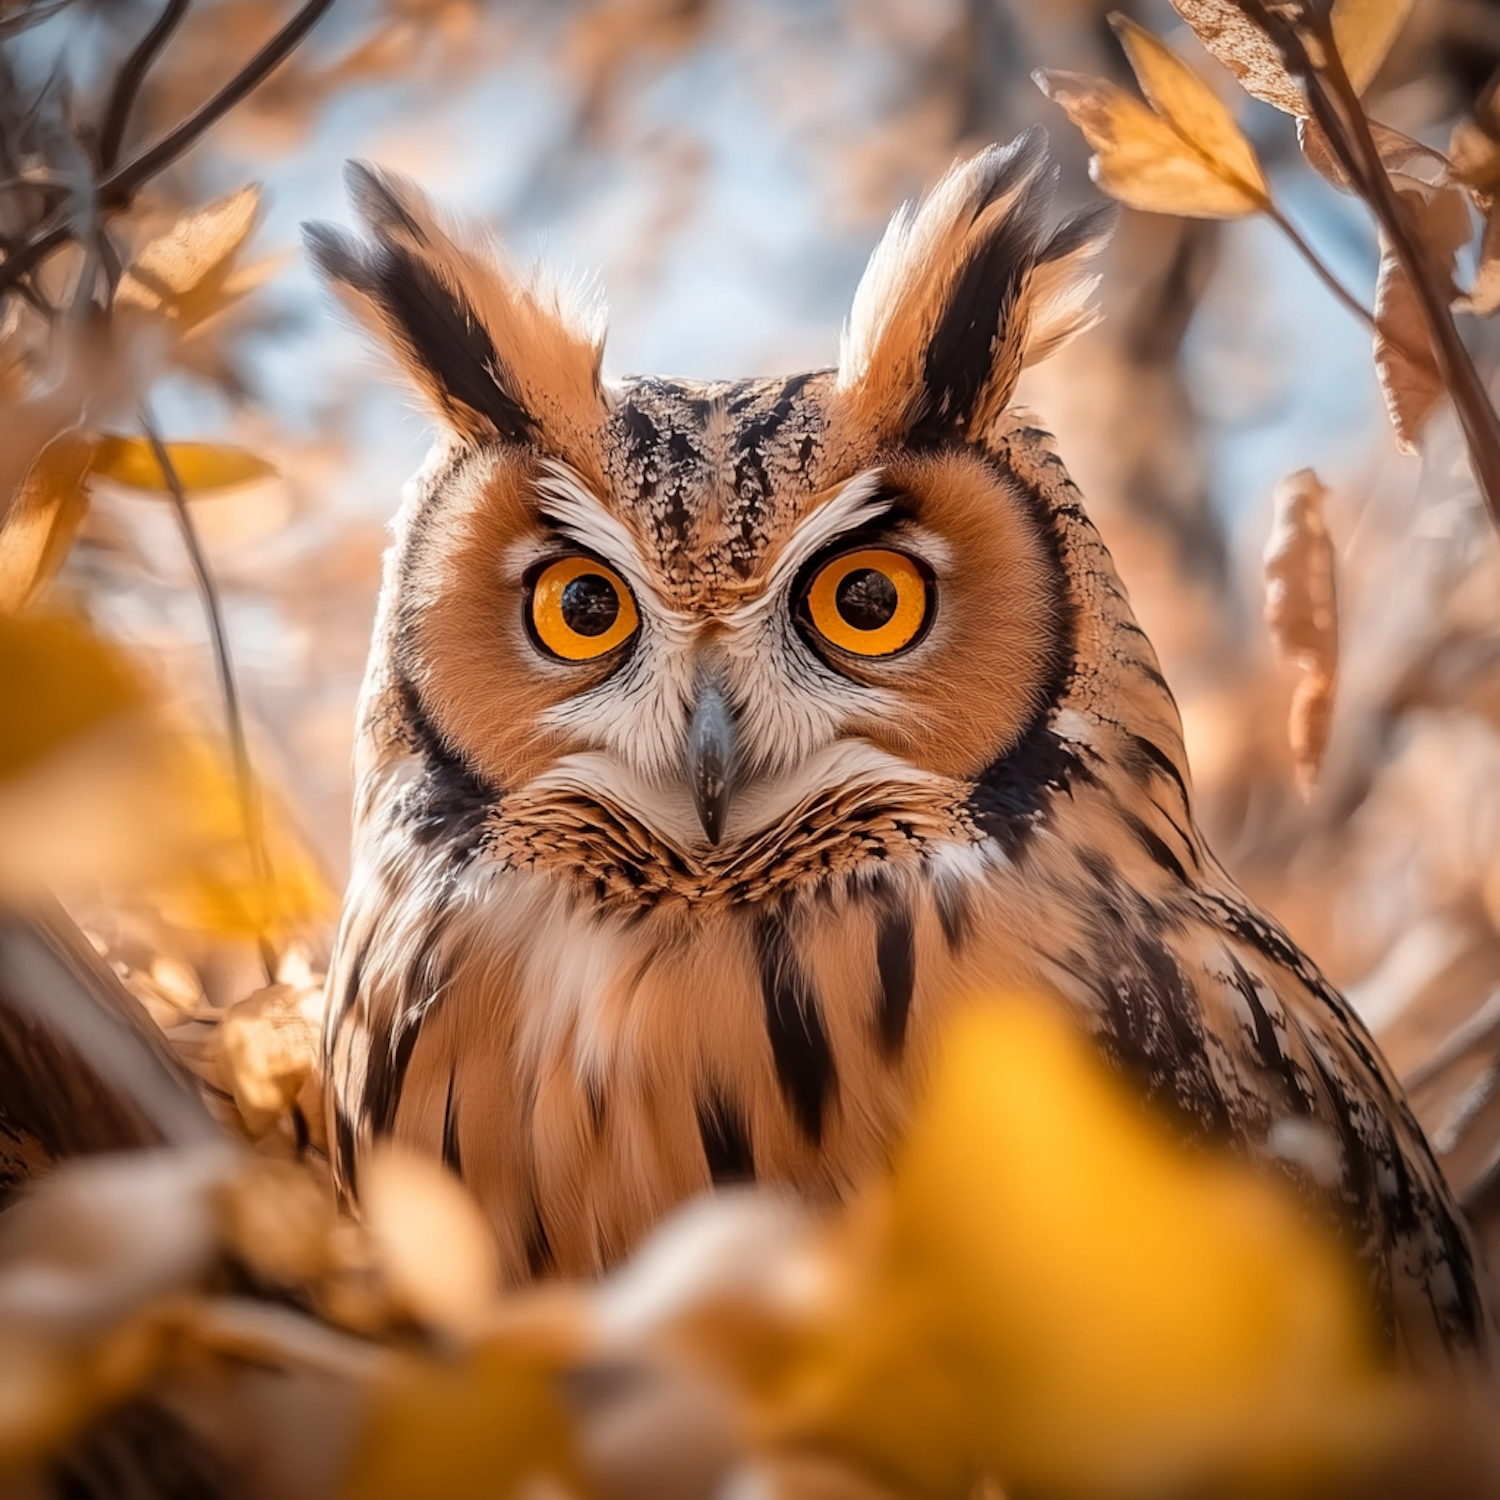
132	75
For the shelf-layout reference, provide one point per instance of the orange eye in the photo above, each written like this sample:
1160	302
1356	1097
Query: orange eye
581	609
871	603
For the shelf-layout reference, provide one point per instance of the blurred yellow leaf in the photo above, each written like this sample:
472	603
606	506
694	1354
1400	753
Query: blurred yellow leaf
43	517
435	1247
485	1427
199	466
1302	613
61	683
1190	107
1364	32
213	887
184	272
1143	159
1055	1287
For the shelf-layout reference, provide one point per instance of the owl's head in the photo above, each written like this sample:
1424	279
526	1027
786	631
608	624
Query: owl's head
689	611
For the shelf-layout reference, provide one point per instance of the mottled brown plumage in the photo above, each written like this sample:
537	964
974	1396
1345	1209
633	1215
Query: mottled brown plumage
622	926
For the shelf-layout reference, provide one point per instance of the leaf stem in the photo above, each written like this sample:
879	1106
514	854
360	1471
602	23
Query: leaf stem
1306	251
208	592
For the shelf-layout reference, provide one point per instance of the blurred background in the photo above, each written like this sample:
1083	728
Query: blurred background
724	167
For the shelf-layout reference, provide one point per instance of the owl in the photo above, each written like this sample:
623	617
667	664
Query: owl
720	737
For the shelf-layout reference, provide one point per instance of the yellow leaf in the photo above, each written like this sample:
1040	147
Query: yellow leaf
1140	158
1193	110
212	887
1053	1289
62	683
199	466
183	273
43	517
1365	31
1302	613
486	1427
436	1248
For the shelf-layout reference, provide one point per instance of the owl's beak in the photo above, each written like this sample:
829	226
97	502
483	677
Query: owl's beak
710	757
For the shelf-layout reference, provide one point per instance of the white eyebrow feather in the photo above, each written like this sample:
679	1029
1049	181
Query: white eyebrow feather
583	517
854	504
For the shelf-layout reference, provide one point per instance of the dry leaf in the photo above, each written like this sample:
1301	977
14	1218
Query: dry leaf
1364	31
1475	155
433	1244
183	273
1228	34
1302	613
1141	159
1410	379
1398	153
38	527
199	466
270	1047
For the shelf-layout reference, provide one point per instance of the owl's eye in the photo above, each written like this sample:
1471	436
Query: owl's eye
581	609
873	602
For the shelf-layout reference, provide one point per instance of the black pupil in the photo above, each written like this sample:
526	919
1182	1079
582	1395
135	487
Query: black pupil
865	598
590	604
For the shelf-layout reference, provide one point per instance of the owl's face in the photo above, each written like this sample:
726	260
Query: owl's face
694	607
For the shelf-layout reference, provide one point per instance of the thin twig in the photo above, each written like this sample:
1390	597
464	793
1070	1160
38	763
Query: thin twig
131	76
1306	251
1338	112
121	184
208	592
1476	413
117	189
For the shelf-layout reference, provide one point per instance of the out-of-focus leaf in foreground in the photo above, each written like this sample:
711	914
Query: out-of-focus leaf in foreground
199	466
484	1427
1302	613
97	787
1054	1290
1183	155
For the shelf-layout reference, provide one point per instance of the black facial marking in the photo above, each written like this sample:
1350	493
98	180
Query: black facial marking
448	802
799	1045
896	964
726	1141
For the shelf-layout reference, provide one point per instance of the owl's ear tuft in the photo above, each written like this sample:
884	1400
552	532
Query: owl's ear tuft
499	356
964	292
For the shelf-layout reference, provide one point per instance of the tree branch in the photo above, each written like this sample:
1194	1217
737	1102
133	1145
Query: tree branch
131	76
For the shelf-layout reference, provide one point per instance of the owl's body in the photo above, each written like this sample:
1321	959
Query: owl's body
667	882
